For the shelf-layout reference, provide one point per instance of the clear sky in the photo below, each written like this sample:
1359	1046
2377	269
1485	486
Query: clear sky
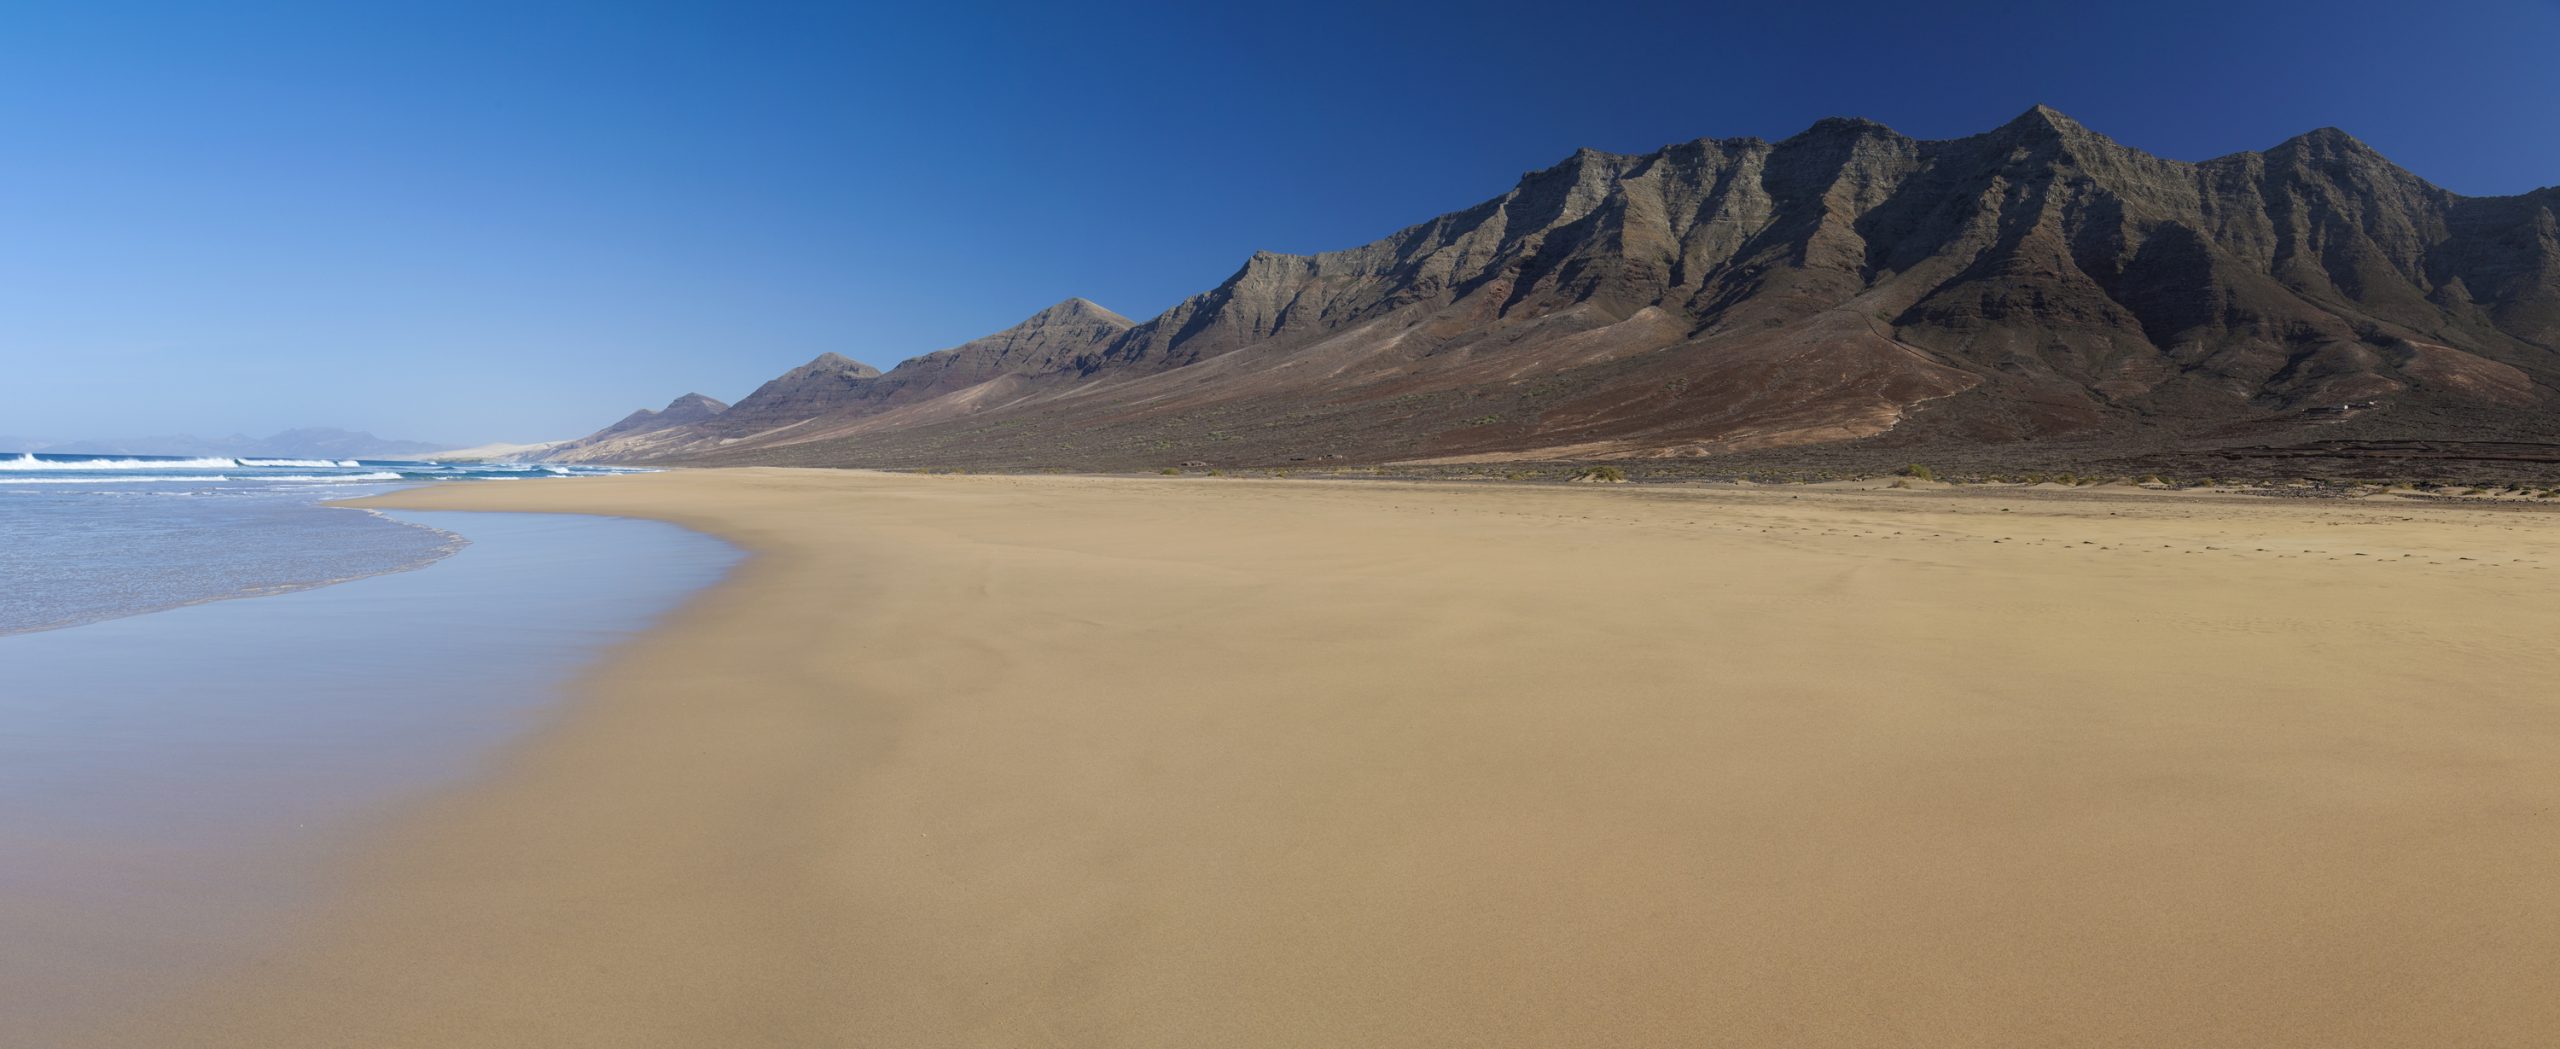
515	221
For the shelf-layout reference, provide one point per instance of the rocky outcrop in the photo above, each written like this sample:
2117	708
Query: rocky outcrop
1847	283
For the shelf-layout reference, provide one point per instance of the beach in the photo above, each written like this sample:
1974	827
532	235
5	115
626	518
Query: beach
176	787
1069	761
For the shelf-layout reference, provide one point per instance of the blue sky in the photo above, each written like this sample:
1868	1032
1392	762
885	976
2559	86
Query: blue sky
515	221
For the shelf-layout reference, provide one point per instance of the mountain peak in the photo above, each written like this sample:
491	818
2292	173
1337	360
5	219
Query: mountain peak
833	363
694	405
2327	142
1838	126
1075	310
2044	121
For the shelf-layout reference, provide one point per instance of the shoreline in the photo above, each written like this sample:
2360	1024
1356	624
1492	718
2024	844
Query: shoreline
453	544
176	786
1129	761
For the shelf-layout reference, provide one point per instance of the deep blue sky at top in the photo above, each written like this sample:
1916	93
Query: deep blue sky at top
478	221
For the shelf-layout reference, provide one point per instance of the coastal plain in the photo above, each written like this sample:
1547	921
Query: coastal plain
1079	761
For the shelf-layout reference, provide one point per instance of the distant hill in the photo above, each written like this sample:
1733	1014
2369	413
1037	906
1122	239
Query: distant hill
635	435
311	443
499	452
2038	289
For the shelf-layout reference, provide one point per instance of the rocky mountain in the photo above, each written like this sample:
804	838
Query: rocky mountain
2036	284
640	434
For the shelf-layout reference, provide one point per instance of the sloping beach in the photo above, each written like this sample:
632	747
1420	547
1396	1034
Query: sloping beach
176	786
1000	761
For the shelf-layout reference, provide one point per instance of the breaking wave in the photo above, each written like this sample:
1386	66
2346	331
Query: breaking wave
190	479
29	462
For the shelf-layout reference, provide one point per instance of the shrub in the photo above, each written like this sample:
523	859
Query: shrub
1601	475
1918	472
1171	471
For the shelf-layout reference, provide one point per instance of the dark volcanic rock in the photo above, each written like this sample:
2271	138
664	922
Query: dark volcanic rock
833	390
643	432
688	410
1730	295
798	395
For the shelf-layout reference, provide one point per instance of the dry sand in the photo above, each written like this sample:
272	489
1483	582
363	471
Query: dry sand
971	761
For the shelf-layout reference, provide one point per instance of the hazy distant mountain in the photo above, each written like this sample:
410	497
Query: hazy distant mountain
1848	284
313	443
324	443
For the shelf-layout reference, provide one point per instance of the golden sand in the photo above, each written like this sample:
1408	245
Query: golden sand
975	761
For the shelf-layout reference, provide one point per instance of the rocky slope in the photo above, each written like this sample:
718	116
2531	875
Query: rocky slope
641	434
810	401
1849	284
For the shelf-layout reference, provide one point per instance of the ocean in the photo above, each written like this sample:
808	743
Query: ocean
90	537
178	771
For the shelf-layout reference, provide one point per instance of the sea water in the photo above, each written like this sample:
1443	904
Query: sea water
91	537
178	771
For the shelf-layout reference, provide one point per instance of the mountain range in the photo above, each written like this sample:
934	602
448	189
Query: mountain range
2038	289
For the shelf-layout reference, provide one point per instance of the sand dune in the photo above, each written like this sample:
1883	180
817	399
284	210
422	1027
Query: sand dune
974	761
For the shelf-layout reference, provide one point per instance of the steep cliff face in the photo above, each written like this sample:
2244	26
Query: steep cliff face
2039	279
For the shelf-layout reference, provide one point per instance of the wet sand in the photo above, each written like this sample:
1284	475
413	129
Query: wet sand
174	785
974	761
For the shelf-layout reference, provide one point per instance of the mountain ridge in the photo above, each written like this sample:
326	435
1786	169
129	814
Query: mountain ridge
1846	284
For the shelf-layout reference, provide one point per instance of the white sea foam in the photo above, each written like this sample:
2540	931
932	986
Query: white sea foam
115	480
125	469
30	462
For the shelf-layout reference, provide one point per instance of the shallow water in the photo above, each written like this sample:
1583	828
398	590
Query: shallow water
86	538
170	783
